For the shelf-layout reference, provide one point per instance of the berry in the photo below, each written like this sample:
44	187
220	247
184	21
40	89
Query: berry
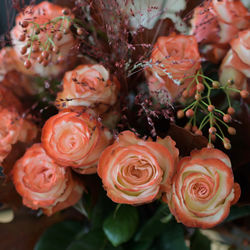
45	54
79	31
194	128
212	130
244	94
197	97
188	126
198	132
40	59
216	84
189	113
66	12
25	24
55	49
45	62
180	114
210	108
35	48
200	87
185	94
23	50
27	64
227	145
210	145
58	36
230	110
227	118
22	37
231	131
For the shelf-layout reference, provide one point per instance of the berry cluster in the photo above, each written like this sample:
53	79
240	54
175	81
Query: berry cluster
213	118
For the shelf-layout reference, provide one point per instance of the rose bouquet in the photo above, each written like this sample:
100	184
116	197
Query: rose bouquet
135	113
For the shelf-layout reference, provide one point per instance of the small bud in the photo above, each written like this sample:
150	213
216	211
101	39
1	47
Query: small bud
79	31
225	139
28	44
197	97
37	31
244	94
200	87
230	110
23	50
58	36
60	59
212	130
65	31
45	54
27	64
185	94
227	145
216	84
227	118
189	113
66	12
210	108
35	48
210	145
55	49
231	131
198	132
25	24
180	114
22	37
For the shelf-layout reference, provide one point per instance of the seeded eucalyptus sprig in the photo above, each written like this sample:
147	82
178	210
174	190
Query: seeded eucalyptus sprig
212	117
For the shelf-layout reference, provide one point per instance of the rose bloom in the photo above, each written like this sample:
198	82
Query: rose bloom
75	139
203	189
41	14
236	65
88	86
173	58
216	23
42	183
135	171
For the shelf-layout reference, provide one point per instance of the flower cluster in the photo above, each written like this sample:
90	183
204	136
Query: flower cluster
86	136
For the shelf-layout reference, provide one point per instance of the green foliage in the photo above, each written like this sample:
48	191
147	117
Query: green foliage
120	226
59	236
200	241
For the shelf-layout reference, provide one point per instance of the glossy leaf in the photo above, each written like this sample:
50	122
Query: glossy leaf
200	241
121	226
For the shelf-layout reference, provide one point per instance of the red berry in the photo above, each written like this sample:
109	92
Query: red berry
212	130
194	128
189	113
22	37
231	131
27	64
23	50
188	126
65	12
40	59
210	145
244	94
55	49
198	132
197	97
79	31
180	114
227	145
230	110
227	118
58	36
185	94
200	87
25	24
210	108
45	62
45	54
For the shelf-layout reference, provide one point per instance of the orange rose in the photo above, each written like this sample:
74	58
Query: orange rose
43	13
173	58
88	86
135	171
236	65
75	139
203	189
217	22
44	184
13	127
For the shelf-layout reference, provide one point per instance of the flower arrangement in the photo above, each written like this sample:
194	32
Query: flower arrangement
130	111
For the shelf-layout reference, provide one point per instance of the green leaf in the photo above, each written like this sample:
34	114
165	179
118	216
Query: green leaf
121	227
156	222
93	240
140	245
59	236
172	237
238	212
200	241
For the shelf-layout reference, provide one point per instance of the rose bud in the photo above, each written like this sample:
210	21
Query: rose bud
173	58
88	86
203	189
136	171
42	183
41	14
75	139
236	64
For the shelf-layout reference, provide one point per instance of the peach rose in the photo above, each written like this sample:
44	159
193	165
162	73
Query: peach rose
88	86
173	58
135	171
217	22
203	189
41	14
236	65
75	139
42	183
